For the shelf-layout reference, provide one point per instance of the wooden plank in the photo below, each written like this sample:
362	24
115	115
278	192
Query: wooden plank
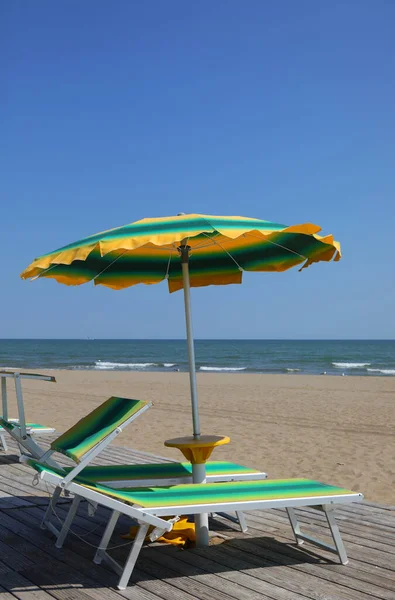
206	560
208	578
343	576
23	589
311	587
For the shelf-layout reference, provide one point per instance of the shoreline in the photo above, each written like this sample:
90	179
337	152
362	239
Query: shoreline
201	371
336	429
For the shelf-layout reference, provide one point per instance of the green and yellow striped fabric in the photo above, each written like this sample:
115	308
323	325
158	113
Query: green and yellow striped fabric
159	471
92	474
218	493
31	426
96	426
205	493
221	248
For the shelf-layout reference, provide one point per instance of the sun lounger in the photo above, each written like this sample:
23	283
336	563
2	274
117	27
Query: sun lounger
148	506
22	432
13	425
92	434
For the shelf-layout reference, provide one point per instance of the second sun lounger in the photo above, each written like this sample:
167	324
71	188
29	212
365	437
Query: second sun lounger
18	429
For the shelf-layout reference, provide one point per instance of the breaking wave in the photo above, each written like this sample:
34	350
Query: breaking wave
105	365
350	365
383	371
223	368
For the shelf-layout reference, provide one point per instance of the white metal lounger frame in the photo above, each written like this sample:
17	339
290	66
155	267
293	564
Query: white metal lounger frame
21	434
63	483
152	516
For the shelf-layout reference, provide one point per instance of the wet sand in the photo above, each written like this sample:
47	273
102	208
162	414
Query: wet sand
339	430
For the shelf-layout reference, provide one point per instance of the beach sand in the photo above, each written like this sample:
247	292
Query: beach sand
339	430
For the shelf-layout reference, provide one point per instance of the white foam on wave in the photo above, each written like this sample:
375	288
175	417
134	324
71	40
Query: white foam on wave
383	371
223	368
293	370
169	364
102	364
350	365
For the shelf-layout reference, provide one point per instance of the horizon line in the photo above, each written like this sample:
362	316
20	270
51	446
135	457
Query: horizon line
282	339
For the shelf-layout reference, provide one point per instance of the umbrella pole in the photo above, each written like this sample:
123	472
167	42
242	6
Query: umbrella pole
198	470
191	347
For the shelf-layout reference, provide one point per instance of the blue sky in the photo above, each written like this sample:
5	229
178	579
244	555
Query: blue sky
113	111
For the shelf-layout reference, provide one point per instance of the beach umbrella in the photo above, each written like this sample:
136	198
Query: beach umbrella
188	251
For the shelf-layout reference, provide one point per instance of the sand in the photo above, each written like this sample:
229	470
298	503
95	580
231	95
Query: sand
339	430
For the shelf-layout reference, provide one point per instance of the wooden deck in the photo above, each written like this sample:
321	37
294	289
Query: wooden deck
262	564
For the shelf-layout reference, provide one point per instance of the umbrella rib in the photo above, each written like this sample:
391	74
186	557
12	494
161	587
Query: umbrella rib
43	272
110	265
278	245
168	264
228	253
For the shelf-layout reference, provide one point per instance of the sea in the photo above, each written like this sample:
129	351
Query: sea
331	357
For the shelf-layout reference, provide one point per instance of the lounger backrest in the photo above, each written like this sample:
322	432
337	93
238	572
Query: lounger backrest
95	427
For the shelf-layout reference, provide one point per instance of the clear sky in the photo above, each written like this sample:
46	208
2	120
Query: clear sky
276	109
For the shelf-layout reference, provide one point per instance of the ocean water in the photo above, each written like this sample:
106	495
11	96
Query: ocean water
333	357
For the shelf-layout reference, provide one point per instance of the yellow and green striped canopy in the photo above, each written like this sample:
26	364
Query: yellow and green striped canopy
221	248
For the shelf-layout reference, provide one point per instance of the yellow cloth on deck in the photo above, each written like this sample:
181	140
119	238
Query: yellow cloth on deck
182	534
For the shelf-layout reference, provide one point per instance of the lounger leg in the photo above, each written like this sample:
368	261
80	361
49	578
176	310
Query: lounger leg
330	517
3	442
101	551
300	537
132	557
295	525
239	519
68	521
242	521
51	506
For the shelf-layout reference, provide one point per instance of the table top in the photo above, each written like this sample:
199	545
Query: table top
201	442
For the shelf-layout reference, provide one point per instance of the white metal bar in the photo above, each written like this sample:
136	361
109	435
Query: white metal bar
51	506
21	408
68	521
3	442
191	509
242	521
132	557
333	526
28	376
4	398
239	519
303	537
101	551
295	525
112	563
